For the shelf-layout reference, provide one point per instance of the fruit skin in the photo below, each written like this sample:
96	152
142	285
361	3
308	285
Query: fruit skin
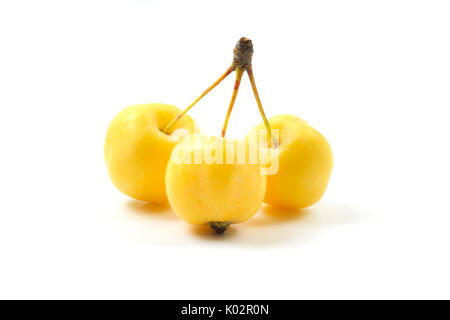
204	193
136	151
305	164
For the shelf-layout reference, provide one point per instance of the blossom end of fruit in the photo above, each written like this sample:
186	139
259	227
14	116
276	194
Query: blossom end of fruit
219	226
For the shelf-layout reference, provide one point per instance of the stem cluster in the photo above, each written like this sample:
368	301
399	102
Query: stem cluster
242	62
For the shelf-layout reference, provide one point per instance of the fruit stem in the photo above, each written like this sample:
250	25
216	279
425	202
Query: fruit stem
260	107
219	226
204	93
242	61
239	73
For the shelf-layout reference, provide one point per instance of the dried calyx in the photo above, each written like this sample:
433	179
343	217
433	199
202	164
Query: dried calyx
219	226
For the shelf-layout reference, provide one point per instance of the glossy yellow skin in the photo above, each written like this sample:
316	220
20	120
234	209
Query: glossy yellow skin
203	193
136	151
305	164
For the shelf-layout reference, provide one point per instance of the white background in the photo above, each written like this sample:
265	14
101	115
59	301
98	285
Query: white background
372	76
